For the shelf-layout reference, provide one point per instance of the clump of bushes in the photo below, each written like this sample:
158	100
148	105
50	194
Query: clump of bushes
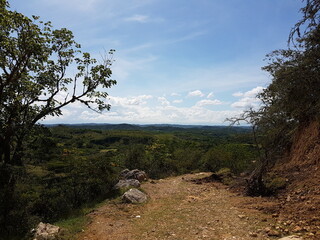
274	184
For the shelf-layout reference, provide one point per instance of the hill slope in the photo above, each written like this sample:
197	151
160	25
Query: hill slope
299	203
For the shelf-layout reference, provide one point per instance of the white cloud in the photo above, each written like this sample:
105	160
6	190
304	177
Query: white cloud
196	93
237	94
253	92
137	18
163	101
208	102
175	94
248	99
148	109
124	101
161	114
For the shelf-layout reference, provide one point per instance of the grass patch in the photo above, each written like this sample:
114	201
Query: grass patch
72	226
76	223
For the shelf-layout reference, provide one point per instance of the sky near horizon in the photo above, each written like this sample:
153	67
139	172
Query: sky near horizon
176	61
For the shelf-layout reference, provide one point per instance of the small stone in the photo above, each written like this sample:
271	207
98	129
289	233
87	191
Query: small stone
267	229
251	234
274	233
241	216
297	229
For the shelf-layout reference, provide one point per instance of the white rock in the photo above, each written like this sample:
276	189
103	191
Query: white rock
293	237
46	231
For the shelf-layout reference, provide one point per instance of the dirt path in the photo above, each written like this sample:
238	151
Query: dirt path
179	209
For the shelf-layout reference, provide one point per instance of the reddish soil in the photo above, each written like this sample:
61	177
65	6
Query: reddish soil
298	205
183	209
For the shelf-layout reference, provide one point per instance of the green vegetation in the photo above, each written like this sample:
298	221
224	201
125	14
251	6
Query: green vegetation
34	58
67	168
292	100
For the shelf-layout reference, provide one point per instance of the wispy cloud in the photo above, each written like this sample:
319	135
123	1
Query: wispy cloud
137	18
178	101
161	43
210	95
206	102
129	101
78	5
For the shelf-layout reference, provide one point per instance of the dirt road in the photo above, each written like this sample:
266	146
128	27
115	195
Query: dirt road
179	209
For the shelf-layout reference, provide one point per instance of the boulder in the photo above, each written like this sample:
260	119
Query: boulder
141	176
134	174
134	196
123	173
127	183
46	231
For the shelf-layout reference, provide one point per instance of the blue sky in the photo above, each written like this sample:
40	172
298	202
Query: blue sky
176	61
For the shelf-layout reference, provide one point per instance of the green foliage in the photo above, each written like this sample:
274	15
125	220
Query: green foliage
68	168
292	99
225	175
34	58
237	157
274	184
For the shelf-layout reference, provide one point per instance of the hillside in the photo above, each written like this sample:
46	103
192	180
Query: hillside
180	208
298	204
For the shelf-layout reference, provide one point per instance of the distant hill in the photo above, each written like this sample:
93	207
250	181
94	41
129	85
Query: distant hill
156	127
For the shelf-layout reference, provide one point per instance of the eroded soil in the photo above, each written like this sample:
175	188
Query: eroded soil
180	209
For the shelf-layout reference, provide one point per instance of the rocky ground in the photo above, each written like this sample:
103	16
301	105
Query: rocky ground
180	208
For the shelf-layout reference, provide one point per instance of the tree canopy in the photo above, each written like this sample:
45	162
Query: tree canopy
34	82
292	98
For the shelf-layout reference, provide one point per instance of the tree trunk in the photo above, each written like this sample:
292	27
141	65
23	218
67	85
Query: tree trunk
6	149
18	151
255	185
7	187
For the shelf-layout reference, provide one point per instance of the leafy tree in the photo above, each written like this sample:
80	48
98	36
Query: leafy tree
34	59
309	21
34	84
292	99
217	158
